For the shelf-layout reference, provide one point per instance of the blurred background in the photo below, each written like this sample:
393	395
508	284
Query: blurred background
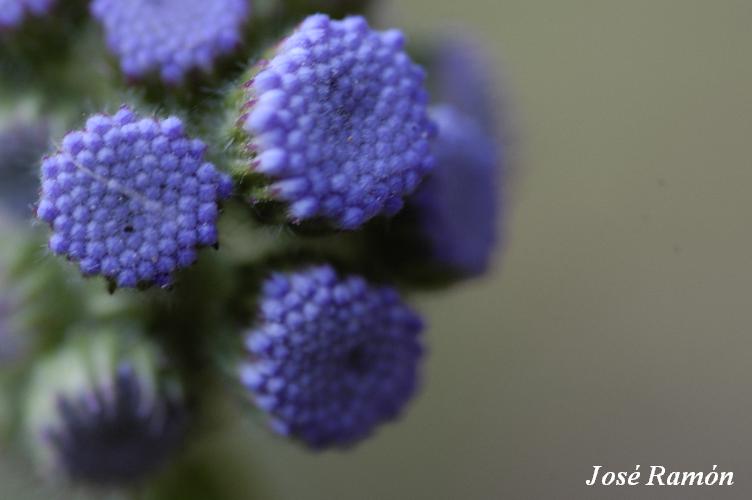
616	328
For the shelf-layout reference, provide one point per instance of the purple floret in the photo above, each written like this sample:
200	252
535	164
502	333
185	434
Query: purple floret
171	37
457	206
337	121
13	12
131	198
331	358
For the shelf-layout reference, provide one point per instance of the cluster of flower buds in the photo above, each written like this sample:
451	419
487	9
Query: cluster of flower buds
165	273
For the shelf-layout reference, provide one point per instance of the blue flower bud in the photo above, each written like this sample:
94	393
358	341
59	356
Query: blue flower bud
330	358
457	207
171	37
336	122
451	226
102	411
131	198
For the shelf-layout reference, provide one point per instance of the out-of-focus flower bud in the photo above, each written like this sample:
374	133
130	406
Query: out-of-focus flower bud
103	410
171	37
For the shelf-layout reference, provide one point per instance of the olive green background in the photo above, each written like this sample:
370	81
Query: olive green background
616	327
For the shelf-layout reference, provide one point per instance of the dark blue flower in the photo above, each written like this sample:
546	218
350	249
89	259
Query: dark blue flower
131	198
457	206
171	37
330	358
337	122
13	12
102	412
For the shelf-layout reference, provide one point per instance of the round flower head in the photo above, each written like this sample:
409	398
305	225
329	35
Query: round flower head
101	412
13	12
457	205
131	198
336	121
21	145
330	358
171	37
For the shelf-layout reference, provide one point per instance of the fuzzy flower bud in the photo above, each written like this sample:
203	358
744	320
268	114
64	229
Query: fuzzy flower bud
131	198
330	358
171	37
102	411
13	12
336	122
